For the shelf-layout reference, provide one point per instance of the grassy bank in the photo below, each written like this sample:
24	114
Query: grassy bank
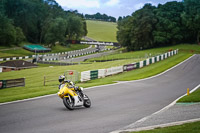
185	128
193	97
183	48
19	51
102	31
35	77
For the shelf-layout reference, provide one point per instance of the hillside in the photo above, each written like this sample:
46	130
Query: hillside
102	31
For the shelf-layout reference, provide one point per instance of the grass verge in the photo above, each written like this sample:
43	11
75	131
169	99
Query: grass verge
183	48
193	97
185	128
102	31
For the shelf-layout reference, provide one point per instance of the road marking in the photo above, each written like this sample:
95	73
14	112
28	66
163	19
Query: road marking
147	117
158	126
29	99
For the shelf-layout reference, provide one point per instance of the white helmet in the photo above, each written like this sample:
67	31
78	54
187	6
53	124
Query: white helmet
61	78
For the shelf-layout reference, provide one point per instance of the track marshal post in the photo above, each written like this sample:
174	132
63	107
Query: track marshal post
188	91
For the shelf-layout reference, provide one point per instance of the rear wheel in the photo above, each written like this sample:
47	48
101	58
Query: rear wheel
68	103
87	102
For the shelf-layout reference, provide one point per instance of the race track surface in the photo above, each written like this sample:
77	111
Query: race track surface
113	107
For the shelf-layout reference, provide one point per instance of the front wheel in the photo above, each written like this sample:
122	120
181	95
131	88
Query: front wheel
69	103
87	102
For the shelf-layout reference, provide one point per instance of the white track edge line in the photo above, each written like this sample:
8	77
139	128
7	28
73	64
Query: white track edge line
162	125
28	99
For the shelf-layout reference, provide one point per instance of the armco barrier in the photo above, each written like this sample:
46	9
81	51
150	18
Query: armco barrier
147	62
114	70
155	59
129	67
101	73
141	64
94	74
85	76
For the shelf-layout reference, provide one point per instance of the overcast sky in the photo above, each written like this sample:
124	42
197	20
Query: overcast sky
113	8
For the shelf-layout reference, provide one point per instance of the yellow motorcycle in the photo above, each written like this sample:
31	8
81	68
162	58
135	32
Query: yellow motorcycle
72	98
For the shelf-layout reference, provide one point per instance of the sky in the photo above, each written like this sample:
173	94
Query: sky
113	8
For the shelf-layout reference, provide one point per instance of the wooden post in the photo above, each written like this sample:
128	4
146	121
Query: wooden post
24	81
44	80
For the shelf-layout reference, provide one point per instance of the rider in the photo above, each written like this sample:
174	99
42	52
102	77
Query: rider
70	84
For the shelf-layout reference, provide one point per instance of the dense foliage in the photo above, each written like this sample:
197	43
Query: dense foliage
38	21
168	24
102	17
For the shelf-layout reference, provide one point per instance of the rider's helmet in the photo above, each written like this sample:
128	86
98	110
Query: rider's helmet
61	78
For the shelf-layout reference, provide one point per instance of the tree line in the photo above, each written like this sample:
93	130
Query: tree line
38	21
101	17
167	24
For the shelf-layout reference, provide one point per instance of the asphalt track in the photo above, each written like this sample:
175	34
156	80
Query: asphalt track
83	58
113	106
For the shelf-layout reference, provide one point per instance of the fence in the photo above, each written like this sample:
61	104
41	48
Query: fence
101	73
71	75
49	79
12	83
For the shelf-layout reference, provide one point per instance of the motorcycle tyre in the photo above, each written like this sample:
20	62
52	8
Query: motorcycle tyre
87	103
67	103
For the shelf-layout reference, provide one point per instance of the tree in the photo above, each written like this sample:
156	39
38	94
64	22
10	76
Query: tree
75	28
36	20
120	18
19	35
84	28
168	24
7	31
124	29
191	19
102	17
138	29
145	21
169	28
56	31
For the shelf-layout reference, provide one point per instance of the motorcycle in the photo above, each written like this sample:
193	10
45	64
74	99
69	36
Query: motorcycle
72	98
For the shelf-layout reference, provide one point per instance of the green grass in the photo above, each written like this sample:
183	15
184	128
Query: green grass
15	53
183	48
35	77
193	97
22	52
102	31
59	48
185	128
